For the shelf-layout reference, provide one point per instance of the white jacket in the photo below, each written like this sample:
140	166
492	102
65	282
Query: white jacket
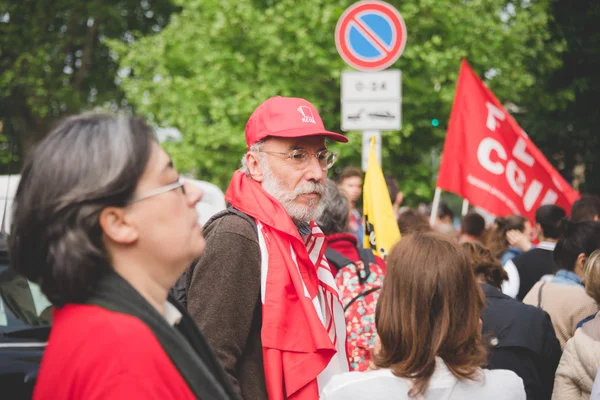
579	364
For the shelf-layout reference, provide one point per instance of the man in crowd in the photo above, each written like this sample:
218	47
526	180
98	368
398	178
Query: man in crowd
586	208
263	293
539	261
396	196
445	221
350	181
472	228
412	221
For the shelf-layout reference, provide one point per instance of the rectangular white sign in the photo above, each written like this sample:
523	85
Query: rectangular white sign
367	115
371	100
371	86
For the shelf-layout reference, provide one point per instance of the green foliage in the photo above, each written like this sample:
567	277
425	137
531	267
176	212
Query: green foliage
561	115
53	61
217	60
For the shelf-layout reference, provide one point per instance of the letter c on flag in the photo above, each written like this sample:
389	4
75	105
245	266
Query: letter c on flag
483	155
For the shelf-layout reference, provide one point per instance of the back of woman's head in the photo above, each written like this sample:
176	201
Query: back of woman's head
485	265
591	276
411	221
497	241
577	238
89	162
429	306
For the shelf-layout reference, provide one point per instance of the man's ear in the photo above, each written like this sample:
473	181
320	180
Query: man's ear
538	229
253	164
579	264
115	226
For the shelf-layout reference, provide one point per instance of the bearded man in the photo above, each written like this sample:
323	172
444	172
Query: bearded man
263	293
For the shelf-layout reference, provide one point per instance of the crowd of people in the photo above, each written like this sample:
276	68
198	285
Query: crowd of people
276	296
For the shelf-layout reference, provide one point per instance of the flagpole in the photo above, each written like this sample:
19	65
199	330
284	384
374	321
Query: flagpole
465	207
436	204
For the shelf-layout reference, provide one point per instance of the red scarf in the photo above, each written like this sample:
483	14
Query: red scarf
303	327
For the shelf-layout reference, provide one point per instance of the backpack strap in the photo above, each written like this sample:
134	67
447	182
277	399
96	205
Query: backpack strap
540	295
336	258
368	258
363	294
231	210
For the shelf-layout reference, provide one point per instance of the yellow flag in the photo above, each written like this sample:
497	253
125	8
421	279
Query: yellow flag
381	228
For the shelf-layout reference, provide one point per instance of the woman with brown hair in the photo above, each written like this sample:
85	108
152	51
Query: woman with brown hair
430	331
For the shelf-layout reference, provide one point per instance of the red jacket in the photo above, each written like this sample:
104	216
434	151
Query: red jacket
346	244
94	353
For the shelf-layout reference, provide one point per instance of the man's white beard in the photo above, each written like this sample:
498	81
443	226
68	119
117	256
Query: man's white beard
298	212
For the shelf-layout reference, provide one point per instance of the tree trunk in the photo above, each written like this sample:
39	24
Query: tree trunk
86	57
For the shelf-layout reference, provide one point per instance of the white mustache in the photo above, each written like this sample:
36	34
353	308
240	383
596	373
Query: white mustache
308	188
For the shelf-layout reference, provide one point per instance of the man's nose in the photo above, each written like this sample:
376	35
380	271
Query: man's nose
314	170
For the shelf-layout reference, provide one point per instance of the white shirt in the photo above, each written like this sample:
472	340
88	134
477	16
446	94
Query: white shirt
383	385
171	314
511	286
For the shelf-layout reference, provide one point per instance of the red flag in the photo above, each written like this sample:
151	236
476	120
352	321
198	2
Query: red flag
490	161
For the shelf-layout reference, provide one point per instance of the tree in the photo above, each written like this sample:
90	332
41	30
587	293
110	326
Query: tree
561	115
53	61
217	60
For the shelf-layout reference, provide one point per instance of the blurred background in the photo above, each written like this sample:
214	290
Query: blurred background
197	68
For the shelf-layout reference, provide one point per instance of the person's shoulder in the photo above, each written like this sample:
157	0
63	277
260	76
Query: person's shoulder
504	381
532	296
108	337
231	223
527	311
534	253
102	325
346	381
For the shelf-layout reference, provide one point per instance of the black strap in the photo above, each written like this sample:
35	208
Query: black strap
340	261
363	294
368	258
336	258
540	295
232	210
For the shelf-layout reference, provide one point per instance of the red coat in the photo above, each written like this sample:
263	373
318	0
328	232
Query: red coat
346	244
94	353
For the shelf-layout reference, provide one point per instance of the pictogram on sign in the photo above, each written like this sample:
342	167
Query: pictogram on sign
370	35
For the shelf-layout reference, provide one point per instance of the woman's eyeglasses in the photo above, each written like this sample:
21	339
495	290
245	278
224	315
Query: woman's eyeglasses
164	189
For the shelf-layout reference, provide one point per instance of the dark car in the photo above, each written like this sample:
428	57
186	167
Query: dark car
25	317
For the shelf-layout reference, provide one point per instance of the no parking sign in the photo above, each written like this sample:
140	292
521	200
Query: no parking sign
370	35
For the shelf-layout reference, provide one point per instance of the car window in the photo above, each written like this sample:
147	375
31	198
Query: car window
22	303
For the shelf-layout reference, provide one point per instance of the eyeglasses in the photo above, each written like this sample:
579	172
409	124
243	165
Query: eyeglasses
301	157
164	189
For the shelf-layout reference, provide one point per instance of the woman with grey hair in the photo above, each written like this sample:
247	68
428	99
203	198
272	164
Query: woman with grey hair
105	225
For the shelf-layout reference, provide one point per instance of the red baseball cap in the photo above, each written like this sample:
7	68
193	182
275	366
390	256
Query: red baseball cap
286	117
